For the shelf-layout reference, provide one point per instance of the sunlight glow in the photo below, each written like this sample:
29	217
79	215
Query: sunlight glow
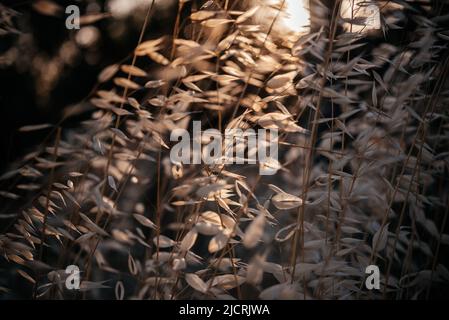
297	15
124	8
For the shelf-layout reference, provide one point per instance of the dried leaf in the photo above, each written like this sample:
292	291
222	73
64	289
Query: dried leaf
92	225
47	7
380	238
127	84
133	71
285	201
247	15
279	81
189	240
164	242
154	84
202	15
227	281
196	282
218	242
108	73
26	276
213	23
132	266
157	57
111	182
119	290
145	221
254	231
148	46
35	127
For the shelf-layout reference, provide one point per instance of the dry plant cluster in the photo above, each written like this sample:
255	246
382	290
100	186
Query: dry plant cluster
362	179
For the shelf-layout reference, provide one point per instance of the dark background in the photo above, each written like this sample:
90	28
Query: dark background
21	103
